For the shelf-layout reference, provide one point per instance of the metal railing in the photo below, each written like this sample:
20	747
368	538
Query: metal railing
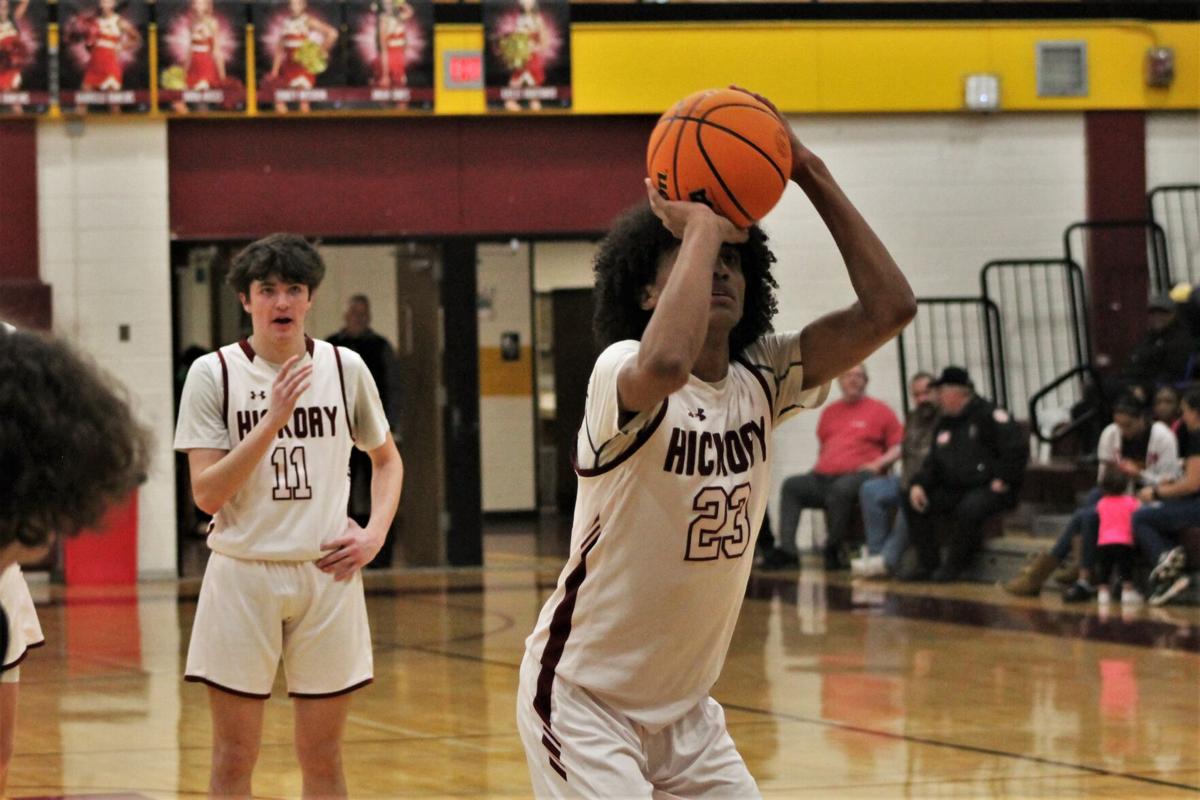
1080	238
963	331
1176	209
1052	423
1042	305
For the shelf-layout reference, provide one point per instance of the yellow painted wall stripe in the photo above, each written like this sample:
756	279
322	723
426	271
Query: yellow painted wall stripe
816	67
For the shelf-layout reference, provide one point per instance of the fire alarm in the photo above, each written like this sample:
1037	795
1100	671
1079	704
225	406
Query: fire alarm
1160	67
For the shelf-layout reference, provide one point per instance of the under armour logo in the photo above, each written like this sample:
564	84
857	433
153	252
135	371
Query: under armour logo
697	414
261	395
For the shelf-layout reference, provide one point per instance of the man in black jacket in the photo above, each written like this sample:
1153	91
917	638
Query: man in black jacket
973	470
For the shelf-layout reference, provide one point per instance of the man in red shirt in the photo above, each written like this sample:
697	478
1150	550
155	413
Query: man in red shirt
860	438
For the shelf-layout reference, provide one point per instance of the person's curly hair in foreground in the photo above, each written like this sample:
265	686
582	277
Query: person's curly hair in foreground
69	444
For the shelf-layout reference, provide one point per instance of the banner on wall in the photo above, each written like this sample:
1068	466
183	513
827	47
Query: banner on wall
390	54
104	60
300	59
201	55
24	62
527	61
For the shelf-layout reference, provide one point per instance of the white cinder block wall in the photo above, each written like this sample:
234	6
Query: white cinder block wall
104	244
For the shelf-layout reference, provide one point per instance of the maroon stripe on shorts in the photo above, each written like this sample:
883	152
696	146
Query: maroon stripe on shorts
338	693
238	692
560	627
17	661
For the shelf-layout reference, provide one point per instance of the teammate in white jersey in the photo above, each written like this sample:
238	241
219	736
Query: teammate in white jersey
673	459
68	447
268	424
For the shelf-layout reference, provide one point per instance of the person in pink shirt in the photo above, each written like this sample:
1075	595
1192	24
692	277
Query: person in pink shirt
1114	556
860	439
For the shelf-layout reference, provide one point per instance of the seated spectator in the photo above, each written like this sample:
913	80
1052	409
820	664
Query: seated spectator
1132	445
1172	507
1166	408
859	439
880	498
1115	551
974	470
1187	305
1164	354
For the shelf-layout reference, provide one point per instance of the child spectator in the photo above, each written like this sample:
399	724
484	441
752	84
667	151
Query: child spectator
1114	556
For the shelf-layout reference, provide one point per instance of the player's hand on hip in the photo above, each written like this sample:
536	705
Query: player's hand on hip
677	215
351	551
916	496
290	383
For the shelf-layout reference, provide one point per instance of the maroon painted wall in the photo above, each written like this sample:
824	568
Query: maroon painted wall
394	177
1118	275
24	299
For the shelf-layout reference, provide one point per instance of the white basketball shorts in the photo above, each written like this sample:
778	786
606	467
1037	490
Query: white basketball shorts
590	750
253	613
24	630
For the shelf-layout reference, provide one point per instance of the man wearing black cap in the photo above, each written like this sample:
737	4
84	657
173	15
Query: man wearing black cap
973	470
1163	355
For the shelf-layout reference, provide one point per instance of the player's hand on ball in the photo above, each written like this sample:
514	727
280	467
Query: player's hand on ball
801	155
351	551
676	215
289	384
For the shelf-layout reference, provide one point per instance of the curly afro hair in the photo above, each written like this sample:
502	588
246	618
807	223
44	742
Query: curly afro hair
627	262
69	444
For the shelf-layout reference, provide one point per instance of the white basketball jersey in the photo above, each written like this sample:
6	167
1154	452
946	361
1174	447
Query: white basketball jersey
668	510
297	495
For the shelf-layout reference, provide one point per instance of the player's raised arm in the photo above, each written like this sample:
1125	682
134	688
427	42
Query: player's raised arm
840	339
680	305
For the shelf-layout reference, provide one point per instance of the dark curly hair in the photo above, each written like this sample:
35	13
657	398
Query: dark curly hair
627	262
69	444
287	255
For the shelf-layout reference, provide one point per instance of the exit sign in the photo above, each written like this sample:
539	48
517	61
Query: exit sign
463	69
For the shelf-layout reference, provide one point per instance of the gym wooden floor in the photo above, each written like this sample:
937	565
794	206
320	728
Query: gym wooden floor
831	688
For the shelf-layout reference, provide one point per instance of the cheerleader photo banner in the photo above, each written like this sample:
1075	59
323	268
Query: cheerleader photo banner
300	61
201	55
390	54
527	54
104	60
24	61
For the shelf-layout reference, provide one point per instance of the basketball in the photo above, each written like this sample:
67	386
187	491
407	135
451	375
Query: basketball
723	148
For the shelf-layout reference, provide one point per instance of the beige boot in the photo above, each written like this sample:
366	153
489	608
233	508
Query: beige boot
1028	583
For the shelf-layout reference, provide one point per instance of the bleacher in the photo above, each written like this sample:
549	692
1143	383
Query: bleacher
1027	338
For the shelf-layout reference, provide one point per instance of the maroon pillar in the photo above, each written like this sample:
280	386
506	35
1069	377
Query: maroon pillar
1118	274
24	299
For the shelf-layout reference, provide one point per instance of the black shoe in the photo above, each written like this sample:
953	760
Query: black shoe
945	574
1079	593
833	561
913	574
776	559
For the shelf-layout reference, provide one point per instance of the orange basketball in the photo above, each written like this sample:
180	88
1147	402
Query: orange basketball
723	148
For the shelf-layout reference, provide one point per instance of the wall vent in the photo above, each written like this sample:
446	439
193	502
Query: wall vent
1062	69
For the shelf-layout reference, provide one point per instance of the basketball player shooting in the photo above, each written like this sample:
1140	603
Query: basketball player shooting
673	460
268	424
